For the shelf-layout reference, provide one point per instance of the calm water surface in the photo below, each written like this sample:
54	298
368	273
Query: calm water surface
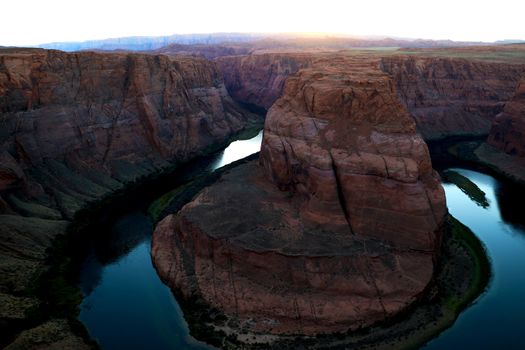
497	319
127	306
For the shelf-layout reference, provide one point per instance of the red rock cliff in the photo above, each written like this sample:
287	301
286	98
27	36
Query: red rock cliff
259	79
97	120
508	130
337	228
78	126
448	96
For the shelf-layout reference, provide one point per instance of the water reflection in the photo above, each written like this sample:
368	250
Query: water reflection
510	203
496	319
238	150
126	306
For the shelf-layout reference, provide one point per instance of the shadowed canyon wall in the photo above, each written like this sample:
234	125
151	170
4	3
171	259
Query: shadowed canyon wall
97	120
78	126
453	97
259	79
508	130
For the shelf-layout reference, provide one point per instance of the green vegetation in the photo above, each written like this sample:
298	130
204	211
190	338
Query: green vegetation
481	264
171	202
499	54
488	55
466	186
157	208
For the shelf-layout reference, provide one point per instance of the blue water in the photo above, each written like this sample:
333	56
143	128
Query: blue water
126	306
497	319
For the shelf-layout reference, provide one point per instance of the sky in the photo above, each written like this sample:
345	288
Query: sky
31	22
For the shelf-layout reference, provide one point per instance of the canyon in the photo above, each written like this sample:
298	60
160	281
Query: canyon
77	127
344	198
347	215
508	129
336	227
446	96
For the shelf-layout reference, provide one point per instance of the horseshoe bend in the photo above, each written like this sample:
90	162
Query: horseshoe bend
336	227
337	234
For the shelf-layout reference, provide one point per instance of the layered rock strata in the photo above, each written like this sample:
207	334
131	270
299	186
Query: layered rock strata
78	126
508	129
259	79
453	97
335	229
446	96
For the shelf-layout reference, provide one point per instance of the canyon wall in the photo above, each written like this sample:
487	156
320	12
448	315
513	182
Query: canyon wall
446	96
77	127
84	123
453	97
508	129
338	227
259	79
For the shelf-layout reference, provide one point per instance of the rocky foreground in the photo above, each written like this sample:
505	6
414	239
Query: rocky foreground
76	127
337	228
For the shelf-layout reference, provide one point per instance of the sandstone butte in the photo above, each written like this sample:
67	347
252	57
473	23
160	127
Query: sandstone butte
78	126
336	228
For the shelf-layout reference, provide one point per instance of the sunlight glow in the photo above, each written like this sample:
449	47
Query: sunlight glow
32	22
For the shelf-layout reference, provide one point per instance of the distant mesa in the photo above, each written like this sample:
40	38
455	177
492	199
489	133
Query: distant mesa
253	41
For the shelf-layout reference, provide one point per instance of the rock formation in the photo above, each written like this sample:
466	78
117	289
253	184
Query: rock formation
453	97
508	129
337	227
259	79
446	96
99	120
78	126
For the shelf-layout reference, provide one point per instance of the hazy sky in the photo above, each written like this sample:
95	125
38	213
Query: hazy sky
26	22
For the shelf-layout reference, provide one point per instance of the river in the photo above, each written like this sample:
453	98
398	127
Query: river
127	306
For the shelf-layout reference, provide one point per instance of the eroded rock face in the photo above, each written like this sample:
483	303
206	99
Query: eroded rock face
78	126
88	122
335	229
342	138
453	97
259	79
508	130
